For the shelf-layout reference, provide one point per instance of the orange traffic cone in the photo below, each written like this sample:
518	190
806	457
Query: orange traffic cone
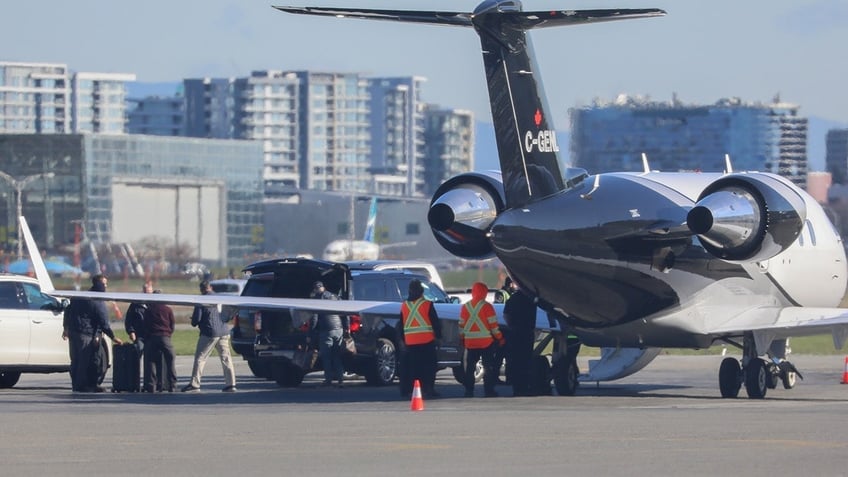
418	402
845	372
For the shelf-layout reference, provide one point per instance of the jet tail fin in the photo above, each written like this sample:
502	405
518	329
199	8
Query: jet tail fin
38	266
526	138
372	221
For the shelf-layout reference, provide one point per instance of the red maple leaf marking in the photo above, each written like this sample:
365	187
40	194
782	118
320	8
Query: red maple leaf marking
538	118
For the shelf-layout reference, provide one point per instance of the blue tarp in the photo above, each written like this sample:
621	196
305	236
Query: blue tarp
54	267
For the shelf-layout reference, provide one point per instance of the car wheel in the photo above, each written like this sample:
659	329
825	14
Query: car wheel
9	379
459	372
287	375
260	369
384	364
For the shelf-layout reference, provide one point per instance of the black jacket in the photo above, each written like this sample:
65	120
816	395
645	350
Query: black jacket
87	317
328	322
520	313
134	321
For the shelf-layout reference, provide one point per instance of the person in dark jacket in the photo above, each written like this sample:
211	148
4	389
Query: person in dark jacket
331	329
214	333
84	321
420	331
159	325
520	316
134	324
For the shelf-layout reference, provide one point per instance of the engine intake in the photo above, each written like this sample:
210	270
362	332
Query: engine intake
748	217
462	211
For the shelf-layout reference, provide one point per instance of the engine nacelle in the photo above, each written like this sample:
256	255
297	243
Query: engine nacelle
748	217
462	211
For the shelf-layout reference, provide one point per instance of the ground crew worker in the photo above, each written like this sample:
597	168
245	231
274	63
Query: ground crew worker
480	335
502	294
421	328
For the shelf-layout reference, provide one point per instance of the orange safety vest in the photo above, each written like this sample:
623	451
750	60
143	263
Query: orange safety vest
417	328
478	331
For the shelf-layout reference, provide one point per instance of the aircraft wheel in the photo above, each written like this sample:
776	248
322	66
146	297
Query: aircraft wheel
9	379
788	378
730	378
565	376
384	364
757	379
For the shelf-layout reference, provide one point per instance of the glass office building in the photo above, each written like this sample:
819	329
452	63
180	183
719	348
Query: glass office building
836	157
206	194
677	137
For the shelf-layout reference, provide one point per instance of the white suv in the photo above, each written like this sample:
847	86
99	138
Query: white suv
30	330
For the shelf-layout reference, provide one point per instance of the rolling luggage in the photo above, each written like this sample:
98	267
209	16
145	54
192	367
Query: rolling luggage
125	369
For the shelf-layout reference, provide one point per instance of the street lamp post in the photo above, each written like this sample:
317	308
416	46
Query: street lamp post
19	185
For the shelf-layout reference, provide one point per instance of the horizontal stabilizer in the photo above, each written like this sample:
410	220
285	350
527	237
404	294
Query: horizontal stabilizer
415	16
516	18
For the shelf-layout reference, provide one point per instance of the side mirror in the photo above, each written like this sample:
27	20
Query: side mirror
454	299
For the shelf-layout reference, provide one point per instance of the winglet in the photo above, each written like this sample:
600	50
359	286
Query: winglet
35	257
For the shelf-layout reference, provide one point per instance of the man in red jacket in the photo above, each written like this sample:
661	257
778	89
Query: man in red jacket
480	334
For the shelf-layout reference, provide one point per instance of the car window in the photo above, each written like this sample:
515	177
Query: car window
431	291
258	286
370	289
9	296
224	287
37	300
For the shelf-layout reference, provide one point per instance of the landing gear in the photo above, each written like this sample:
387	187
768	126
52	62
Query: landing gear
756	378
758	374
730	377
788	374
565	376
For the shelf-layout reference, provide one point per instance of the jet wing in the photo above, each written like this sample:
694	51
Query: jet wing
768	324
302	304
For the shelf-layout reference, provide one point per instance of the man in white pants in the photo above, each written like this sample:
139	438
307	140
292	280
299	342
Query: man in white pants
214	333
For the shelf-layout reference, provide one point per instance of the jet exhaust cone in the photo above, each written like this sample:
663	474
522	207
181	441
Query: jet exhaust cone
441	217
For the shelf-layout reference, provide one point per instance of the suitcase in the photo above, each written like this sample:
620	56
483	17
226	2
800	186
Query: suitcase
125	368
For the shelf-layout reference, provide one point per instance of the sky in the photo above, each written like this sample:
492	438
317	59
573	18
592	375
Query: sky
701	51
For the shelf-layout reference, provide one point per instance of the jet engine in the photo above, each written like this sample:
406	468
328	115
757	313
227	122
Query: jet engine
462	211
748	217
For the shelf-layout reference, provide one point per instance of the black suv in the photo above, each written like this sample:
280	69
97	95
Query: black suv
273	341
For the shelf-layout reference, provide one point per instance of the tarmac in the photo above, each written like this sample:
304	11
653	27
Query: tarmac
666	420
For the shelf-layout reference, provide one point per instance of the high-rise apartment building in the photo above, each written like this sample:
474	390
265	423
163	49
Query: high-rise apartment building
836	155
98	102
397	136
324	131
46	98
449	145
34	98
266	105
678	137
334	147
157	116
209	107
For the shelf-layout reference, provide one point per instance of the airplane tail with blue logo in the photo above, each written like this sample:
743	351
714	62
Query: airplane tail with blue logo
526	139
372	221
